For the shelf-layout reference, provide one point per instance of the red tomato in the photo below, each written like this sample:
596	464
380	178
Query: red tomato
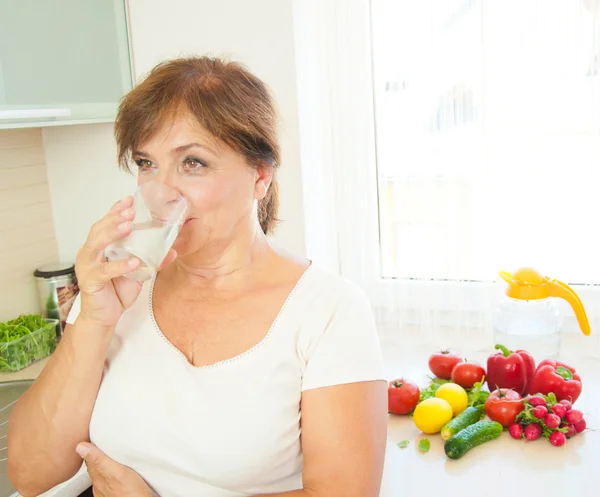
442	363
466	374
403	396
503	405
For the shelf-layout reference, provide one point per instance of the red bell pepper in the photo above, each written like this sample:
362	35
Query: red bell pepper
510	369
556	377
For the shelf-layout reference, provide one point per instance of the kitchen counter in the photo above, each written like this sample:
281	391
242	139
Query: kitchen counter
499	467
29	373
503	466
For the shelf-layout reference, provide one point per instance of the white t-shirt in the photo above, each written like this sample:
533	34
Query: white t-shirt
232	428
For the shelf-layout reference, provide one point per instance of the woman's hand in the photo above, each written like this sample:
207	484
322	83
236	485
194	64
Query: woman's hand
105	292
109	478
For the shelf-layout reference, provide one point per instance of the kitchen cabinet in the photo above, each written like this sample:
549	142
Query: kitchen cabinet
62	61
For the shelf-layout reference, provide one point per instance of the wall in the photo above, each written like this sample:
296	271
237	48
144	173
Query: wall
257	33
84	180
26	229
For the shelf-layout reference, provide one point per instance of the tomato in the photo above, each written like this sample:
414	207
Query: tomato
503	405
466	374
442	363
403	396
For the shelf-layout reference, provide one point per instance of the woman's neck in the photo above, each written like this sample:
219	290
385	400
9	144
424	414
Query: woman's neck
223	268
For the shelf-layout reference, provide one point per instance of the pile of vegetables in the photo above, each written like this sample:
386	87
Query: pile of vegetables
528	401
25	340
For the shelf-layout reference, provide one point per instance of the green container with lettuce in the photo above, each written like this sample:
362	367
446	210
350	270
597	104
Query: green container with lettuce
25	340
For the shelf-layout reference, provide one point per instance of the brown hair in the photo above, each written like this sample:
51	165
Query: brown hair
227	100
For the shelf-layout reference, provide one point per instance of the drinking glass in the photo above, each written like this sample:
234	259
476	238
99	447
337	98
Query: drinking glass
160	211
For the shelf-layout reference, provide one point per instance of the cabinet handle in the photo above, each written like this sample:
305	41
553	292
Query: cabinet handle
33	113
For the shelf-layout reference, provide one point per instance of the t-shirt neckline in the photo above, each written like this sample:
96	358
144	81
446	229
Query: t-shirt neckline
241	355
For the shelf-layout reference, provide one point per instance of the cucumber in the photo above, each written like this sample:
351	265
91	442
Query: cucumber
468	417
472	436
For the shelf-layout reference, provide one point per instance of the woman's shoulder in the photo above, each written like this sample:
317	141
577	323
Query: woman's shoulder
318	280
338	340
324	298
334	287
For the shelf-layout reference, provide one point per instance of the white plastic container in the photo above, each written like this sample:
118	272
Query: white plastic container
528	317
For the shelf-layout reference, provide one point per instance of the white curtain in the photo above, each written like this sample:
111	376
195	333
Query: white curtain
456	138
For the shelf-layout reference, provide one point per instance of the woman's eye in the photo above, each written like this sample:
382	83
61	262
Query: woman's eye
192	164
144	165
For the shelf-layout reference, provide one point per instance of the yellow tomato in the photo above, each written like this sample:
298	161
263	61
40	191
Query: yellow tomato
431	415
455	395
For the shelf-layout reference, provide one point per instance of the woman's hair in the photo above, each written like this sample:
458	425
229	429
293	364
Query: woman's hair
226	99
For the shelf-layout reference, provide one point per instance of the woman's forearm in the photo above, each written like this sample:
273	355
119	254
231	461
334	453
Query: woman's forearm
53	415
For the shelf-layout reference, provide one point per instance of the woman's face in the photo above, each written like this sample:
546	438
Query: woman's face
220	187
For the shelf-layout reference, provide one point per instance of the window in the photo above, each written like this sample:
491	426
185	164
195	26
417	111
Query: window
487	119
449	140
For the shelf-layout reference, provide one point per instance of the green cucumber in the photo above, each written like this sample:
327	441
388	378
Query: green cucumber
472	436
468	417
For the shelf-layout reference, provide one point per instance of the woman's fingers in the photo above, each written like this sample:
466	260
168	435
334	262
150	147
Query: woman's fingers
105	233
114	269
115	225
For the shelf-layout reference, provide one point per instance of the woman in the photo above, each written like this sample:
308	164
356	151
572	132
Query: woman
239	370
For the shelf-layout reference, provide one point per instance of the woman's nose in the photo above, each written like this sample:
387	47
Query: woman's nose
171	190
160	198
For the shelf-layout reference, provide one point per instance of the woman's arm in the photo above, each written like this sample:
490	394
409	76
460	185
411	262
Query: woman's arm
344	432
53	415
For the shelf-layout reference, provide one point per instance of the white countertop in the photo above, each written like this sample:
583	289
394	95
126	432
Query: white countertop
503	466
498	468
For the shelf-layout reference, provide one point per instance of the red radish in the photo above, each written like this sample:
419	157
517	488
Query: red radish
580	426
572	431
558	439
567	404
533	431
560	410
552	421
516	431
574	416
536	400
540	412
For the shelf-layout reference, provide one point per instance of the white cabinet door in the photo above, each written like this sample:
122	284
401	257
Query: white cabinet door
62	61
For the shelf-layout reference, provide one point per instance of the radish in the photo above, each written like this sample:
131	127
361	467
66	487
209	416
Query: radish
558	439
533	431
572	431
574	416
540	412
536	400
560	410
567	404
516	431
580	426
552	421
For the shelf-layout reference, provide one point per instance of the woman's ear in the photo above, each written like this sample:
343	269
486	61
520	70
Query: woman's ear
264	176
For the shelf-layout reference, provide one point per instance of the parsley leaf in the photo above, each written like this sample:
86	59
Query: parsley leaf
477	396
429	391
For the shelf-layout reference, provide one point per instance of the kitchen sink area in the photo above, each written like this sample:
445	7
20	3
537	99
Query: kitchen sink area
9	394
12	386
